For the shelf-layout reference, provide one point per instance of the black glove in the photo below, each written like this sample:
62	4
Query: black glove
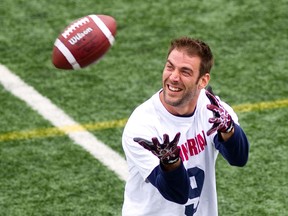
222	121
168	152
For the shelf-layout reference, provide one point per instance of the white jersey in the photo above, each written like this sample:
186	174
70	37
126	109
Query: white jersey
198	154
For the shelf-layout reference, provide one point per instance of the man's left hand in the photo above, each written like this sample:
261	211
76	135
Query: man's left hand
222	121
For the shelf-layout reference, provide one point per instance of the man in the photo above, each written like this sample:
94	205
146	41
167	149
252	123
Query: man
178	177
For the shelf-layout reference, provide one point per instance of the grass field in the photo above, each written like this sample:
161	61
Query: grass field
45	173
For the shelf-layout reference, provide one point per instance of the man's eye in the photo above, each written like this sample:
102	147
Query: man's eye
187	73
169	67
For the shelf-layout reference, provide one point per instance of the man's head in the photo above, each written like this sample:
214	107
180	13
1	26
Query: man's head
186	72
194	47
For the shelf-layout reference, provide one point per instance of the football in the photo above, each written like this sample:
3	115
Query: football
84	42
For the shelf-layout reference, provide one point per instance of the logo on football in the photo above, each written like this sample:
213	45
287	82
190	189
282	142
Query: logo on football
84	42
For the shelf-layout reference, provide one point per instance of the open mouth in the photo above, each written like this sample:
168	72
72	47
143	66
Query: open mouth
173	89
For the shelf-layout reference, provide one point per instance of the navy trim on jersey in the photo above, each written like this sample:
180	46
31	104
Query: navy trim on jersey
173	185
236	149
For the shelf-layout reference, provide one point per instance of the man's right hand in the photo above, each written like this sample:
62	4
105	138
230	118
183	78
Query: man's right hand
167	152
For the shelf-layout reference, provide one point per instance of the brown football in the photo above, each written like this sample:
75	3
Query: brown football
84	42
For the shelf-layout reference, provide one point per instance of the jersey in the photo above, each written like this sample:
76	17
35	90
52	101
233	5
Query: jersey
197	152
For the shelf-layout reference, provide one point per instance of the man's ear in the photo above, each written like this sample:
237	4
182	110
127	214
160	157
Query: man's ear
203	81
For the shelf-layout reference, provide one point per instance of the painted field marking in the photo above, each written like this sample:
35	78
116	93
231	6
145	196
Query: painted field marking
261	106
60	131
54	131
61	120
64	125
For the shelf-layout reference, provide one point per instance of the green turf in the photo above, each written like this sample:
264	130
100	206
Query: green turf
55	177
52	176
263	182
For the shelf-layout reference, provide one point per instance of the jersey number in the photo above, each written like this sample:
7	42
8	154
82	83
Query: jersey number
197	176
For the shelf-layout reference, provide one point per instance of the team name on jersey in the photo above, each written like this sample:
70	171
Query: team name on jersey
193	146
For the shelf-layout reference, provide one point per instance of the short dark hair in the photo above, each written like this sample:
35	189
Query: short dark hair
195	47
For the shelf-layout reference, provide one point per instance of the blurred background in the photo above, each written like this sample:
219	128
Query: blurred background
47	174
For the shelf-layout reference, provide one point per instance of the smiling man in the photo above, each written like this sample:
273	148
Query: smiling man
178	177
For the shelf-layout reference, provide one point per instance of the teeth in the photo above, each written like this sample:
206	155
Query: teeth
174	88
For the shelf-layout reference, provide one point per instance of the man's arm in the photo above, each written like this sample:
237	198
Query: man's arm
170	176
235	148
230	140
174	184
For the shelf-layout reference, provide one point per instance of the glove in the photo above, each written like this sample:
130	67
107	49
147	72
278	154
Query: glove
222	121
168	152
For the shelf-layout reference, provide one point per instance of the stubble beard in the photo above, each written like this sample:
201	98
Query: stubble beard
182	101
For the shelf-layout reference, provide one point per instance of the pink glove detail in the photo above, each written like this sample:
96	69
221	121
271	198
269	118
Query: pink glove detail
168	152
222	121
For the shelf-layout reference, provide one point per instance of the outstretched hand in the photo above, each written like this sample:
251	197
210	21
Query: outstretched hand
168	152
222	121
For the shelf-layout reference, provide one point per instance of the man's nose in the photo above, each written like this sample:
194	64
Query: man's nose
175	75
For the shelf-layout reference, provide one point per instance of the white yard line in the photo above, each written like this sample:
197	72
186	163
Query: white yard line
60	119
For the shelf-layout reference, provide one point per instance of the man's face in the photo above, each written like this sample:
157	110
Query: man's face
181	79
